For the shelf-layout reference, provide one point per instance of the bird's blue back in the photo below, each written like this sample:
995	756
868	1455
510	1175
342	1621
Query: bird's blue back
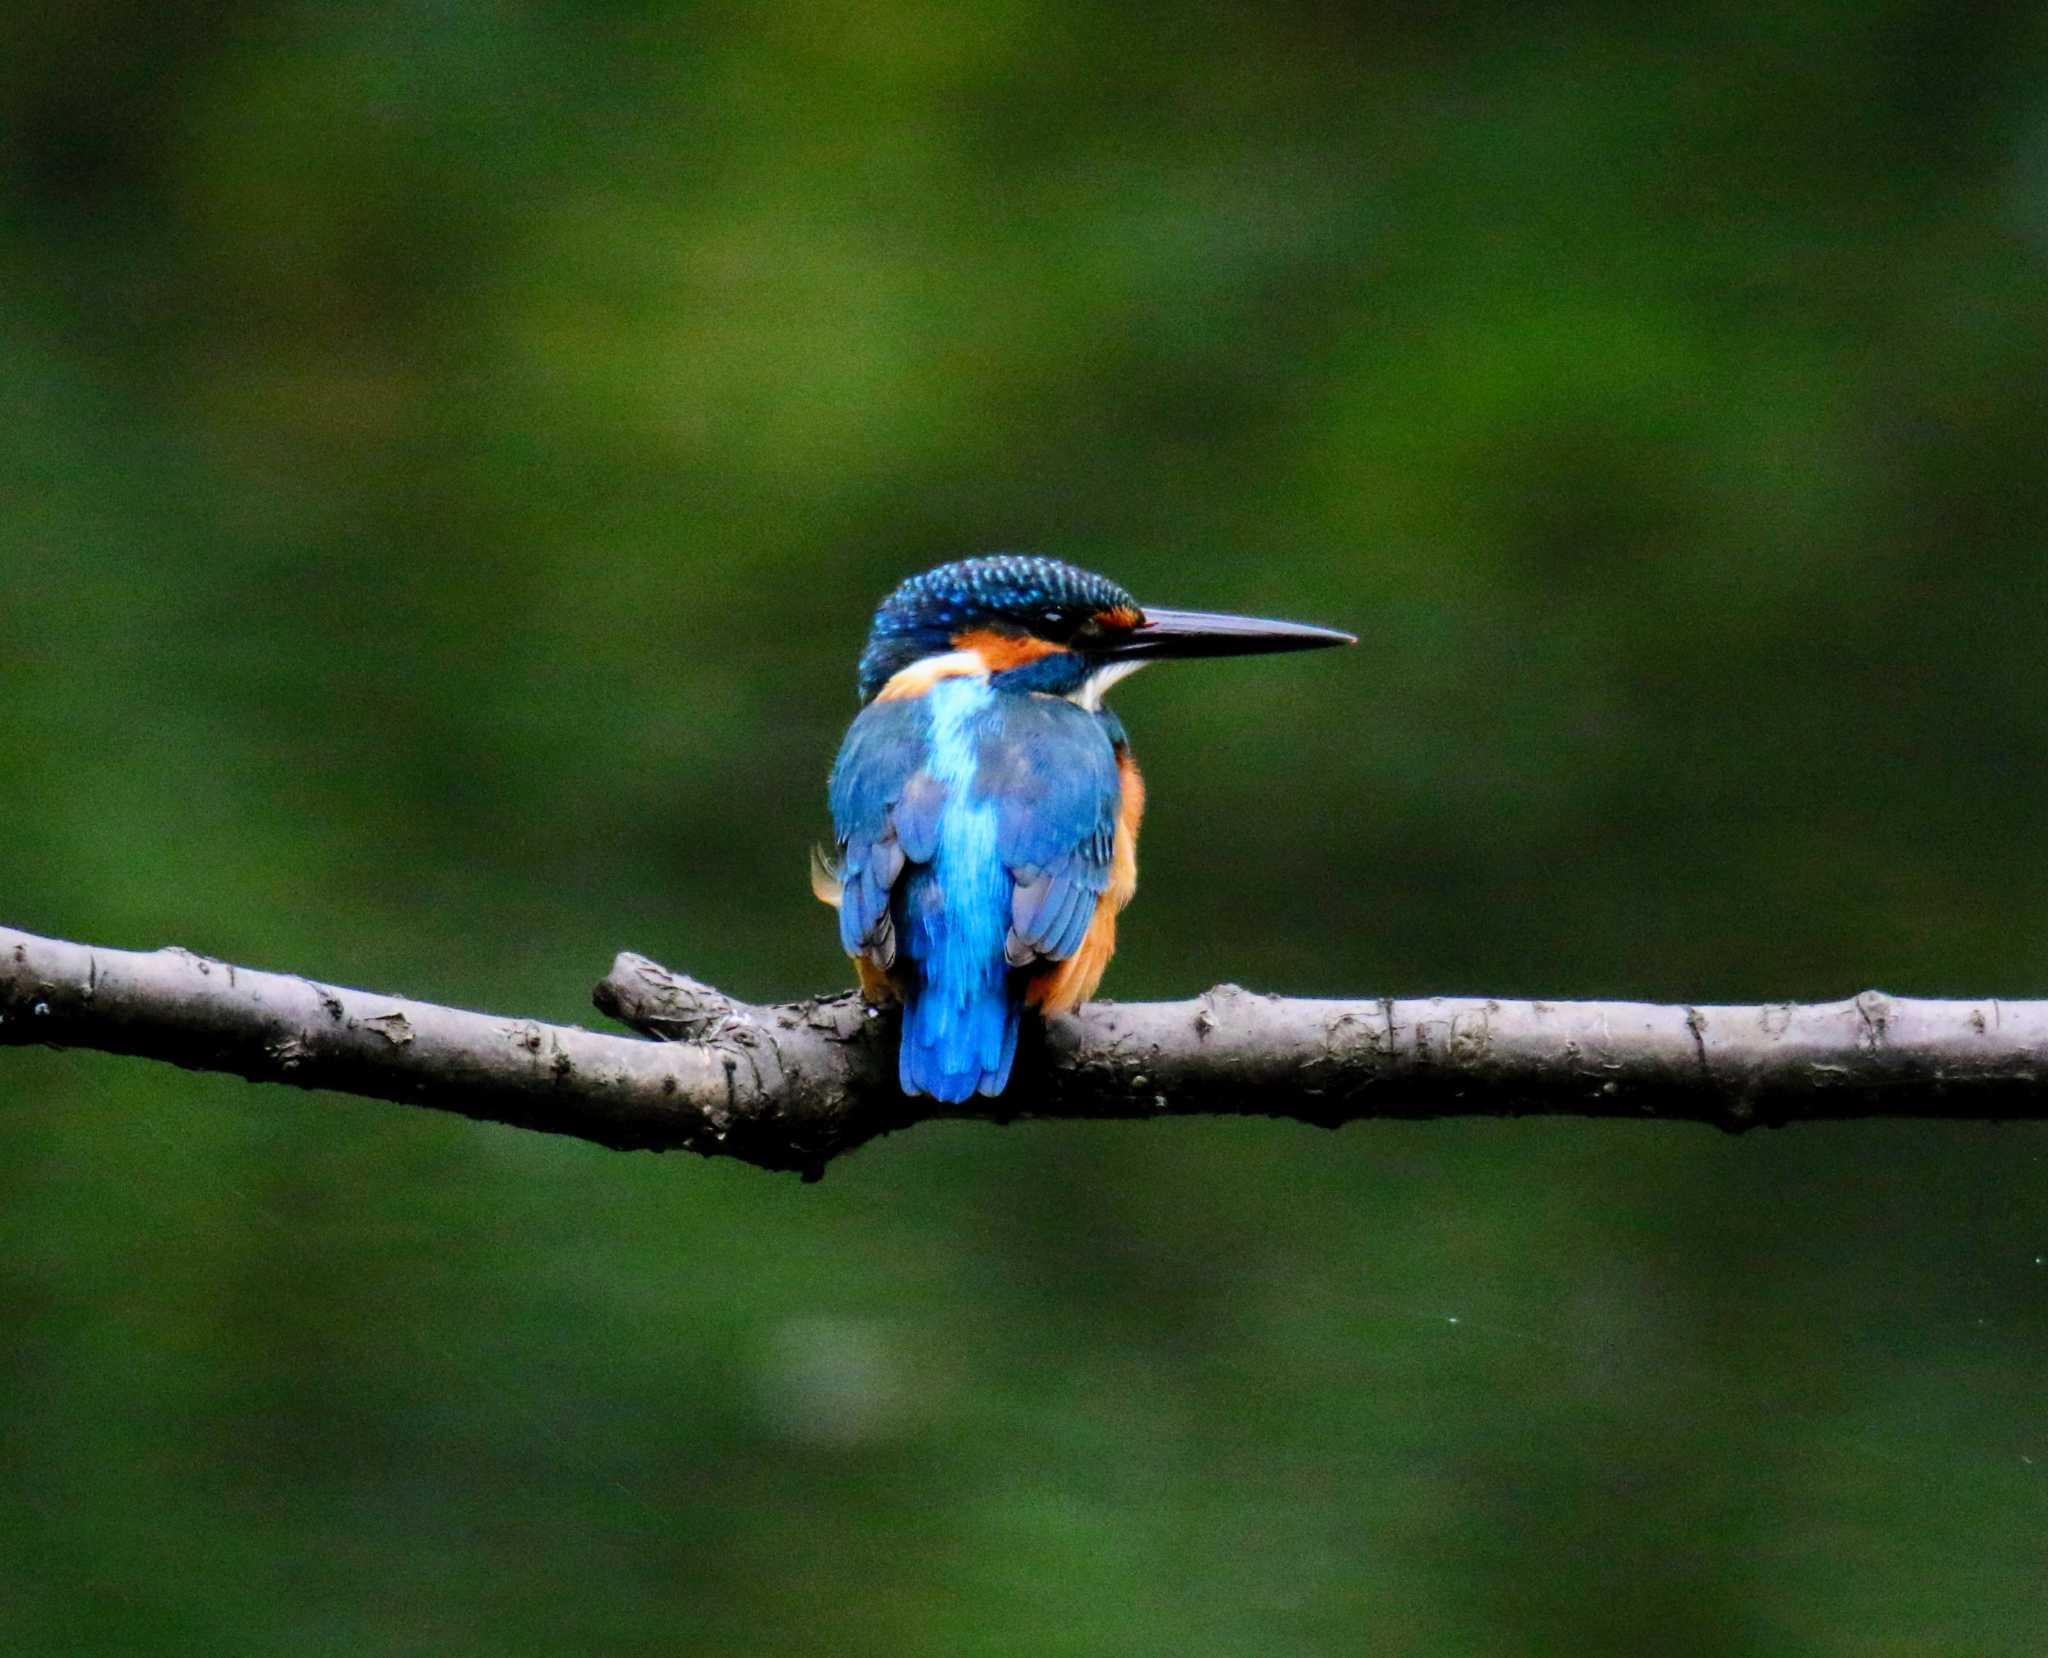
975	828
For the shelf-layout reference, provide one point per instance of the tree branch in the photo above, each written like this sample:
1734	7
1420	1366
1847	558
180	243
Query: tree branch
794	1085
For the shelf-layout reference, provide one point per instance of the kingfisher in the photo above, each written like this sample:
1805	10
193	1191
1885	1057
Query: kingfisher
985	804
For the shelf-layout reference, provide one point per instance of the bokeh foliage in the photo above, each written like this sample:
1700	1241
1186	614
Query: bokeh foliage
451	451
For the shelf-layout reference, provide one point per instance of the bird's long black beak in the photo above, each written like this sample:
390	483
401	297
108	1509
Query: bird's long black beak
1192	633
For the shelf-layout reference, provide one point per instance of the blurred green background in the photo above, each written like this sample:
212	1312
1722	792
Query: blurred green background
451	452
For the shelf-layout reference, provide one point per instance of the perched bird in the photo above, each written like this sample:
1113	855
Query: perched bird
985	804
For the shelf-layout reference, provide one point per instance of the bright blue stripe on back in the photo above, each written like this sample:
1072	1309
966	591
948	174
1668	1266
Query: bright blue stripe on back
959	1021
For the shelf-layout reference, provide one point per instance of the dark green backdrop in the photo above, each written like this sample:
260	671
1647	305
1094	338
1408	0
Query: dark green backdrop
450	452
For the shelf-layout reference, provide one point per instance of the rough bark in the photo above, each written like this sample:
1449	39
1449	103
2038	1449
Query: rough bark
793	1085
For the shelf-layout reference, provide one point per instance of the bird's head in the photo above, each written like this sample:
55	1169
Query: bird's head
1035	624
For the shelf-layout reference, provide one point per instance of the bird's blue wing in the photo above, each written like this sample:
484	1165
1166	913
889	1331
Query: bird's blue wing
1051	771
885	811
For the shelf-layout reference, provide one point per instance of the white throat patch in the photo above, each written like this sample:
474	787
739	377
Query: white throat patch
1089	696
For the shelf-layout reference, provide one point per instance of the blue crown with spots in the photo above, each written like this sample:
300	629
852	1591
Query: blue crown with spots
1041	595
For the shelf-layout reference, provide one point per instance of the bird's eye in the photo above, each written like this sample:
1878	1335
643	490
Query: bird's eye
1053	619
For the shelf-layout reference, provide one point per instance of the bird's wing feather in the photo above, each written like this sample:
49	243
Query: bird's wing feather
1051	771
885	811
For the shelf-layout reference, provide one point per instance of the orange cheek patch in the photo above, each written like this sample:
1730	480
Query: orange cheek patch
1004	651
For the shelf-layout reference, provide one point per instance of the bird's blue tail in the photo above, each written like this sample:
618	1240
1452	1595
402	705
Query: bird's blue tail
959	1013
956	1048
